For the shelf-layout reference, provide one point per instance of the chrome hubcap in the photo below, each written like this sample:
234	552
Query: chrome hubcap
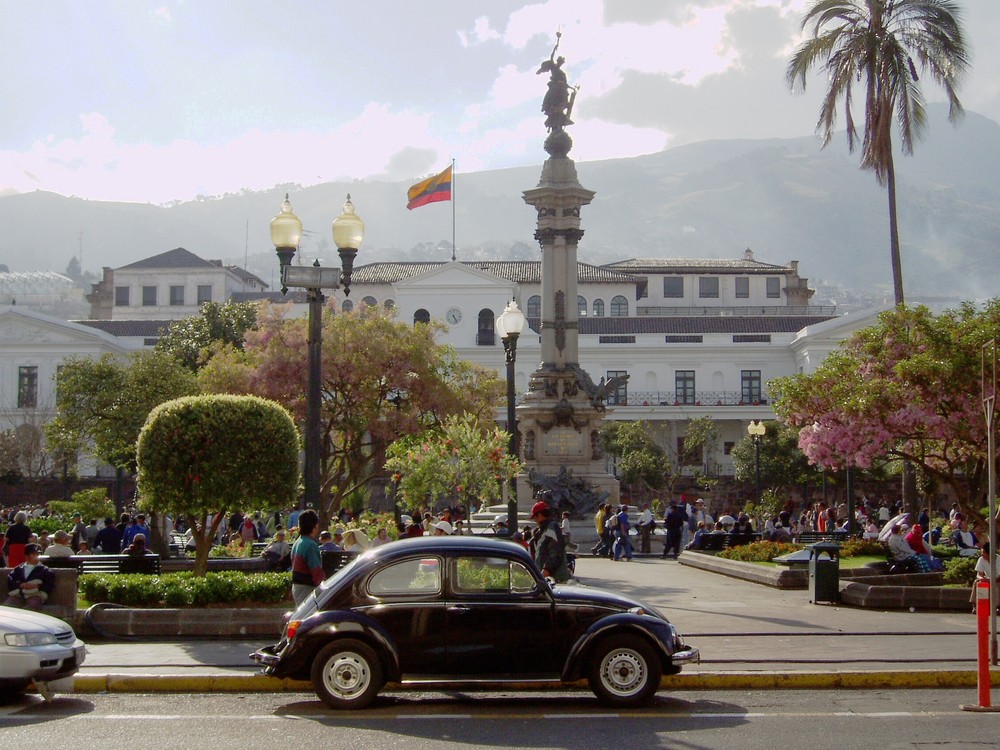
624	672
347	675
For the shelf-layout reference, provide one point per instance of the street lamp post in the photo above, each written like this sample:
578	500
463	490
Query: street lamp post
756	430
510	323
348	232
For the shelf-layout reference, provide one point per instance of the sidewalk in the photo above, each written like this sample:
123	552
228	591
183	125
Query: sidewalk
750	636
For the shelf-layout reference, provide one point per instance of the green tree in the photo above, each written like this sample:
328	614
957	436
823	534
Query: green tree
461	458
782	464
192	340
642	462
91	504
701	438
381	380
10	456
878	44
103	403
204	456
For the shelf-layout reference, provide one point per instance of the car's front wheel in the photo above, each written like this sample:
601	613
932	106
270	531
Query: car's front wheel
624	671
347	674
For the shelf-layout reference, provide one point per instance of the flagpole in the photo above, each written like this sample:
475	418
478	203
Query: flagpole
453	209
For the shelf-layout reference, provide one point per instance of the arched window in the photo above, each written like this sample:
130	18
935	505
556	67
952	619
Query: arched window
389	304
598	308
347	306
619	307
421	316
534	308
581	306
370	301
485	333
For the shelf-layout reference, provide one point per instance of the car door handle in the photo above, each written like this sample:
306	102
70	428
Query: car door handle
459	609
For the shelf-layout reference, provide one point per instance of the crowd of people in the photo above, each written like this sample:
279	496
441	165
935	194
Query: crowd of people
293	540
687	523
129	535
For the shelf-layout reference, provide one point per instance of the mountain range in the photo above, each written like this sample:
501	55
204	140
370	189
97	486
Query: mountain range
786	199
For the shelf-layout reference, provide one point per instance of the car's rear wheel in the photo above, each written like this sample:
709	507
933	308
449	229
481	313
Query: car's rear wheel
347	674
624	671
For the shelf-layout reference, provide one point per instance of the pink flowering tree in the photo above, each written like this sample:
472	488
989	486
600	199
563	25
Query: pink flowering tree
461	458
908	388
382	379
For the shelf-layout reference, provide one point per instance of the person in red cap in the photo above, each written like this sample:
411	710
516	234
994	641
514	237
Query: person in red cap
548	545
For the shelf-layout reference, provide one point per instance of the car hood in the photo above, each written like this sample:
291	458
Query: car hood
14	620
579	594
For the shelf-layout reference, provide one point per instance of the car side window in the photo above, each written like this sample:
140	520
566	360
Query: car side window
485	575
416	576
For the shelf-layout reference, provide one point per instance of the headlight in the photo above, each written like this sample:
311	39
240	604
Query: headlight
646	610
29	639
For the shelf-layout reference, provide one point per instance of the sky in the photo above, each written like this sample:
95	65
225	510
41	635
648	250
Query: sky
129	100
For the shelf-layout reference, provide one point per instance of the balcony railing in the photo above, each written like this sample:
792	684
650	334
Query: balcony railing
701	398
734	312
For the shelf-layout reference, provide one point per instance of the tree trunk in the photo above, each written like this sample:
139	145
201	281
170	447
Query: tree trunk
204	531
908	481
894	252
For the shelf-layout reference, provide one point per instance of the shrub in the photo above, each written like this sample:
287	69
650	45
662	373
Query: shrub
960	570
370	523
184	589
759	551
861	547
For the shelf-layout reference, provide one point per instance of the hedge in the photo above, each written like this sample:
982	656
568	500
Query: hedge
185	590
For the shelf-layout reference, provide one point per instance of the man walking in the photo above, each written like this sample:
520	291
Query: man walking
548	544
307	562
646	525
623	544
673	523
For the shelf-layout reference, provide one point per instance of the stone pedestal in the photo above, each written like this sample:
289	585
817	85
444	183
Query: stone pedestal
561	415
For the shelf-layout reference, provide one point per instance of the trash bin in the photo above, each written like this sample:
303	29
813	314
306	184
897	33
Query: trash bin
824	572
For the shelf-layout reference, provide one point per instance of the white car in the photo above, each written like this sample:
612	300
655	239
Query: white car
36	648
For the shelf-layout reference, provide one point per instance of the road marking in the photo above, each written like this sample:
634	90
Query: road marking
375	715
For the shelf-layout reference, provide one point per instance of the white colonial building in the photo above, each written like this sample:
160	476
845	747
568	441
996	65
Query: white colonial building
168	286
697	338
33	346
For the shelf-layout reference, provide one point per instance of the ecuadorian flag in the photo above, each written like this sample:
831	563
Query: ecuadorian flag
431	190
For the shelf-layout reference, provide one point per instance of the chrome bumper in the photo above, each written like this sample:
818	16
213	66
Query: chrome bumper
689	655
266	657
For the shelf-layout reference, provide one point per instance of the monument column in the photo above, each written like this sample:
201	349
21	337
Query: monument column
561	414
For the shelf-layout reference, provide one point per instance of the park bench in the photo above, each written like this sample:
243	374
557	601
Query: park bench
149	564
811	537
334	560
716	542
257	547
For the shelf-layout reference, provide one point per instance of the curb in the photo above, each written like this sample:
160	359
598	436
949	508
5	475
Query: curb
258	683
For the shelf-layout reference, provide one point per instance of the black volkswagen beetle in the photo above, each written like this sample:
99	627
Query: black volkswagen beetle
469	611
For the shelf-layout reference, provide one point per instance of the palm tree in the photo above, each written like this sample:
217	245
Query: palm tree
874	44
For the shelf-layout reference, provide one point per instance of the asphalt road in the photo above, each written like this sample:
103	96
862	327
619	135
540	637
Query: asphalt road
718	720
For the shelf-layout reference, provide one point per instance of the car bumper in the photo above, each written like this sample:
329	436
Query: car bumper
267	658
688	655
41	663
